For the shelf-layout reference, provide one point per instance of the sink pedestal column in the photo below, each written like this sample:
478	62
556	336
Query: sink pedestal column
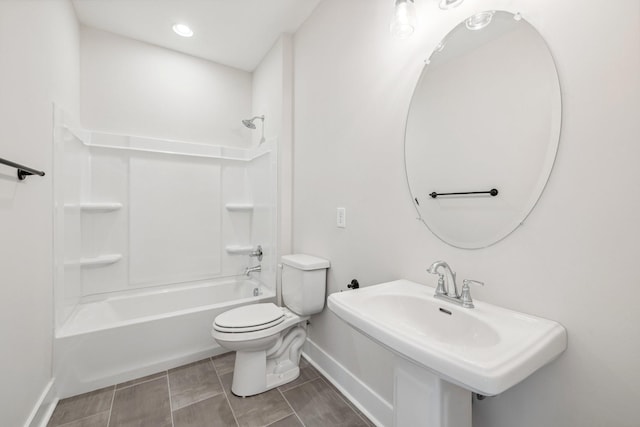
420	398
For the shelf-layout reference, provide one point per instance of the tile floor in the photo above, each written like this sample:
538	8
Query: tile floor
199	395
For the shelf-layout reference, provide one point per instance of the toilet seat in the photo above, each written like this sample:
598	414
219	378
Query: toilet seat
249	318
232	329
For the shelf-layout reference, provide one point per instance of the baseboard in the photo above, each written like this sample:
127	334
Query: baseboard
44	407
379	411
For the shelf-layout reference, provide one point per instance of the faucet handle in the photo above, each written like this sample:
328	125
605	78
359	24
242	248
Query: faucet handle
257	253
441	290
467	282
465	297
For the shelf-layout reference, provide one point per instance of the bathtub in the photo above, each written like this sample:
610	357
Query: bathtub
119	338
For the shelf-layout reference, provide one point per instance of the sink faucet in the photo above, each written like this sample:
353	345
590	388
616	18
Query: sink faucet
250	270
443	291
443	285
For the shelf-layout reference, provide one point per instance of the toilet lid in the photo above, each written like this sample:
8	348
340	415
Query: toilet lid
249	318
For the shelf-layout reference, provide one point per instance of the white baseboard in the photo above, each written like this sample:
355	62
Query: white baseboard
379	411
44	406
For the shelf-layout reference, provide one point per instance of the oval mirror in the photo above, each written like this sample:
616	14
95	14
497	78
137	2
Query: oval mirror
484	120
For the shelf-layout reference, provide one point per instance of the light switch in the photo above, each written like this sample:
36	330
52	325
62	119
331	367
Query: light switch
341	217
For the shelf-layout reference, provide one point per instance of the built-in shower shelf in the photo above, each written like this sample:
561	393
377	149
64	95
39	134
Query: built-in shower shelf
98	261
239	207
239	249
95	207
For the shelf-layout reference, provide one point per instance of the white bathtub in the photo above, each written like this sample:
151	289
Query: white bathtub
123	337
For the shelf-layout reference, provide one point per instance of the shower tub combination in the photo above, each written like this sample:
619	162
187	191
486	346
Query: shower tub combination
123	337
151	241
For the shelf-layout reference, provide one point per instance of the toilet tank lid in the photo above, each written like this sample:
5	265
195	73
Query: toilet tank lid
305	262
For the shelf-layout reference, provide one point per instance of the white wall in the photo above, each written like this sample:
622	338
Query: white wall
575	258
135	88
39	64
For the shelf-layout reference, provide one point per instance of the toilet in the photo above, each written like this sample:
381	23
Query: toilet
268	339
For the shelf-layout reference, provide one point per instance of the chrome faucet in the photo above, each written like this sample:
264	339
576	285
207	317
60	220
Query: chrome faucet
257	253
465	298
443	291
444	285
250	270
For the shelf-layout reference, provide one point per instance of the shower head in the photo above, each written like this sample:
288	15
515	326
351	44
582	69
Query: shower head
249	122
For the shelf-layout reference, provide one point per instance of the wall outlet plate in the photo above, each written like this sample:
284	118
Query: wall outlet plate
341	217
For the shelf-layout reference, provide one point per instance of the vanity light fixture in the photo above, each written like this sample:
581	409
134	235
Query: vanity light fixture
403	23
450	4
404	19
182	30
479	20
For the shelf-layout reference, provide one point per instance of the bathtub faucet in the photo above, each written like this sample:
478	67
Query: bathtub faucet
250	270
257	253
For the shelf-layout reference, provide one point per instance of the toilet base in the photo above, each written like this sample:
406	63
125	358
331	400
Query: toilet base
259	371
243	388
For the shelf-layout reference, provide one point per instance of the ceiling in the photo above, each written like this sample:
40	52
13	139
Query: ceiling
237	33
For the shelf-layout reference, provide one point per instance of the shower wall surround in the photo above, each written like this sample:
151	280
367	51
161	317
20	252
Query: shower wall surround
140	212
131	88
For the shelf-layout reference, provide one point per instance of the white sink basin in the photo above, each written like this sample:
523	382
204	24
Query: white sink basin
486	349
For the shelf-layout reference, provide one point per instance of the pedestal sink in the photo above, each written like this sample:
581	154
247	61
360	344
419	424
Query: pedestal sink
447	352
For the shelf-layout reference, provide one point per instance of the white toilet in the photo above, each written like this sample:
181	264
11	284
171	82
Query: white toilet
268	339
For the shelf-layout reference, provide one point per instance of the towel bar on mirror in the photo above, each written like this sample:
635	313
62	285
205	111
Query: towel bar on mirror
492	192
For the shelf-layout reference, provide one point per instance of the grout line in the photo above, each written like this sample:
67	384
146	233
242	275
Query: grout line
298	385
113	398
286	416
349	404
291	407
75	422
225	392
166	373
202	399
214	364
170	404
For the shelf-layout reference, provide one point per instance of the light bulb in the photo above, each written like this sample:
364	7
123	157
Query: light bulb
479	20
182	30
449	4
404	19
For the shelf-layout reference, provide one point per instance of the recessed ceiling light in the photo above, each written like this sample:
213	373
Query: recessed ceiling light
182	30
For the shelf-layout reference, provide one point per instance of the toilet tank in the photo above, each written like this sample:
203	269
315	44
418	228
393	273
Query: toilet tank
304	283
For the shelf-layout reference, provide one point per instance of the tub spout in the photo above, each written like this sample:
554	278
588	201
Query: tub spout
250	270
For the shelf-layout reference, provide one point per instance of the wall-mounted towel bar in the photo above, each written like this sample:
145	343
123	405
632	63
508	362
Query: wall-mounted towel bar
23	171
493	192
